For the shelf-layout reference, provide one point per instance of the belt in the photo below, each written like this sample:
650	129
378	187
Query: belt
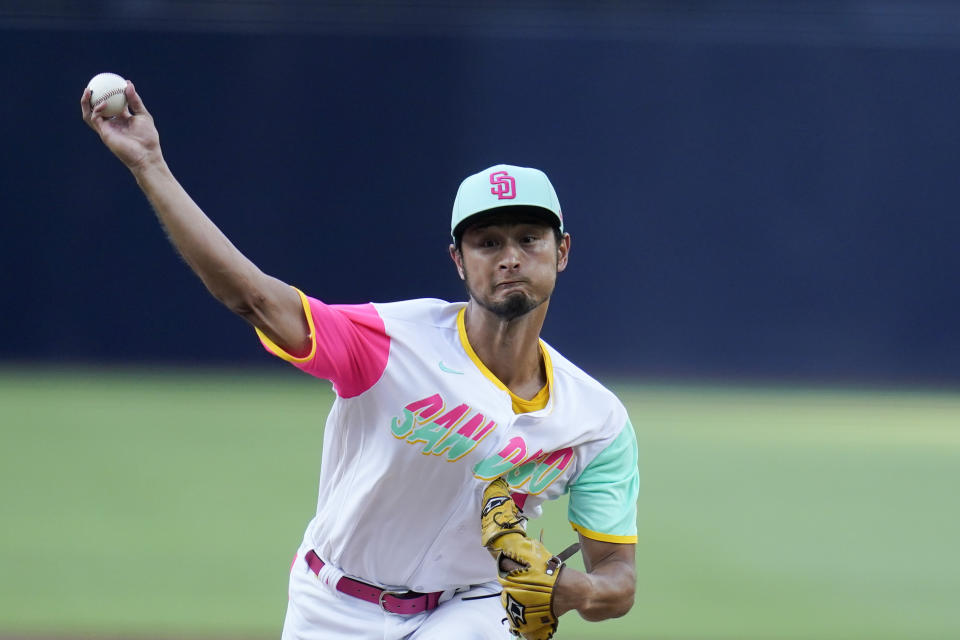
402	602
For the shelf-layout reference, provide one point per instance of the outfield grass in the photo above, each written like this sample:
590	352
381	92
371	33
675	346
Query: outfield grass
138	502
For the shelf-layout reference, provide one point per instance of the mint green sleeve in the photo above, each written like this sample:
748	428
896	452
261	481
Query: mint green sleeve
603	499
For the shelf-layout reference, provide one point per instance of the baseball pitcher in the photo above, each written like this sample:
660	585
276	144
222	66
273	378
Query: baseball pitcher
453	423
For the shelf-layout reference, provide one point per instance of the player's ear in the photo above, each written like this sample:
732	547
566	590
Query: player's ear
457	258
563	252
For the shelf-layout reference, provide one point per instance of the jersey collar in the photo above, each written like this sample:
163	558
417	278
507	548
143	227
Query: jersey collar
520	405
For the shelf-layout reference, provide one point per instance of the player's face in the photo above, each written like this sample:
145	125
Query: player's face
509	267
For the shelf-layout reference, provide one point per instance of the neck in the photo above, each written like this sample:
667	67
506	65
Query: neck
509	348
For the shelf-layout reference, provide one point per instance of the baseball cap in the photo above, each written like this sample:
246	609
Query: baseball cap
504	185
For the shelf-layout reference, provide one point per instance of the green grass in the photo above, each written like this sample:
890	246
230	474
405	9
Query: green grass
153	503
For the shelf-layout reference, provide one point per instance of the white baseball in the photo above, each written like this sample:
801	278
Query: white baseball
108	88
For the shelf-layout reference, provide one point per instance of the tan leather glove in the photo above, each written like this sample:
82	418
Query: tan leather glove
527	594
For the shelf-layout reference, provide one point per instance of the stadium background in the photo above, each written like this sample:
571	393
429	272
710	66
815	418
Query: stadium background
763	204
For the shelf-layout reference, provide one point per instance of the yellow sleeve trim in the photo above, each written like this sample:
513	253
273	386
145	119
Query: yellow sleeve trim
603	537
280	353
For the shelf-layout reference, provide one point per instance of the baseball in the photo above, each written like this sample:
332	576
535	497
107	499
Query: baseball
108	88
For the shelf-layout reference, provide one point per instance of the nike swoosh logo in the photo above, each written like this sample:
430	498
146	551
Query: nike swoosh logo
447	369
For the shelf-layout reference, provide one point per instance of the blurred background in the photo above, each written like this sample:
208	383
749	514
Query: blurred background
763	203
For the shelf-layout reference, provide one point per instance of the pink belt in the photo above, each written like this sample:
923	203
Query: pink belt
403	602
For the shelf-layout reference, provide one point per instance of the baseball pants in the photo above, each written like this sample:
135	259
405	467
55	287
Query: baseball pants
317	611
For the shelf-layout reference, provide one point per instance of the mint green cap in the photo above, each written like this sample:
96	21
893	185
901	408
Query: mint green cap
504	185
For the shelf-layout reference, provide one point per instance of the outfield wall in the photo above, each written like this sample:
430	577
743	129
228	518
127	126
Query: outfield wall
740	205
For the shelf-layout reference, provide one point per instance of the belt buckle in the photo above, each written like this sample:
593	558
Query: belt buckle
384	594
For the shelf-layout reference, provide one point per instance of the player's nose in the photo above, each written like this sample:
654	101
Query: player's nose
510	256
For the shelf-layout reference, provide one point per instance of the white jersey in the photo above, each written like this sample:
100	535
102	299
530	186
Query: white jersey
419	428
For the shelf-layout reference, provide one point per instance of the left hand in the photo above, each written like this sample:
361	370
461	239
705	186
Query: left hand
527	571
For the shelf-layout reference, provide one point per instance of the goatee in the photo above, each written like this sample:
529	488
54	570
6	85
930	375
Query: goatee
511	308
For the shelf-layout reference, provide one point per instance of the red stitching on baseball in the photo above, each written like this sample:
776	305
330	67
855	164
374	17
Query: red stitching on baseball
106	96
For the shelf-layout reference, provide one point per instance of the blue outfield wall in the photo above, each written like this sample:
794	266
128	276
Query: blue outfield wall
737	210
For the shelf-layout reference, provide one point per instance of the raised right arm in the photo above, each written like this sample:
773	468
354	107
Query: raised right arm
264	301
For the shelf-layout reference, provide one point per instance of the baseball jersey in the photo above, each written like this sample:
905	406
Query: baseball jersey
420	426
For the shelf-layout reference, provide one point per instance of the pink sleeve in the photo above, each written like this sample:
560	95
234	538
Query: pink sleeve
349	345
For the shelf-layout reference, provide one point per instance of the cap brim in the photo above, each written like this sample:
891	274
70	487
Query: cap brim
510	213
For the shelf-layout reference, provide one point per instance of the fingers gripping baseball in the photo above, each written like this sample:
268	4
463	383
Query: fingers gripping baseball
131	134
134	102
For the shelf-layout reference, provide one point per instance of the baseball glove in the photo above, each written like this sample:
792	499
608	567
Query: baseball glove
527	594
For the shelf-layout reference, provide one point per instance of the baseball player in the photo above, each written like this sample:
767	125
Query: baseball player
452	423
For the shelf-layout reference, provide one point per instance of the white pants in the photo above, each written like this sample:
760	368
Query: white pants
317	611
